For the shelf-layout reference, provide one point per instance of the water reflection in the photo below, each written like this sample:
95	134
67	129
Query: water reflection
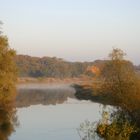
8	121
51	122
52	95
59	122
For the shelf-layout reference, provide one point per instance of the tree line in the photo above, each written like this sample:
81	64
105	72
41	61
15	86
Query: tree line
52	67
29	66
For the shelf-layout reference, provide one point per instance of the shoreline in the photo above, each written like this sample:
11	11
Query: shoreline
52	81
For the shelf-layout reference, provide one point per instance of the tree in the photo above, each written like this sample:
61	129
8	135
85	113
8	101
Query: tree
7	72
120	82
7	88
121	85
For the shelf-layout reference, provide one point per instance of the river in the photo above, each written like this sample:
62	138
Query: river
51	112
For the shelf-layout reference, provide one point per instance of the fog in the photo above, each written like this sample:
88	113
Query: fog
34	94
43	86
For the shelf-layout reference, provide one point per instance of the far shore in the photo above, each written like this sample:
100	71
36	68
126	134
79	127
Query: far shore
80	80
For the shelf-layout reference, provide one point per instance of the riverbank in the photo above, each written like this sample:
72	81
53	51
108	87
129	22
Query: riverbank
83	80
86	92
82	85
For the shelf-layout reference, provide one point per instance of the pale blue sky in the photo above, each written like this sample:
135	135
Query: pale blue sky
76	30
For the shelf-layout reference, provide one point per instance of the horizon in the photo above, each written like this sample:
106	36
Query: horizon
75	30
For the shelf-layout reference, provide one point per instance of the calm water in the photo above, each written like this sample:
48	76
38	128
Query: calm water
51	113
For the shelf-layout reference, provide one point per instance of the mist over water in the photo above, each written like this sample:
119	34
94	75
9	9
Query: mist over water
45	86
51	112
34	94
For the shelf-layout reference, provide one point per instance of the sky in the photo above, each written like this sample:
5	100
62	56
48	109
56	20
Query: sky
75	30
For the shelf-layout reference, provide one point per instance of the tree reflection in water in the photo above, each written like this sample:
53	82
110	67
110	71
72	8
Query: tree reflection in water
52	96
8	120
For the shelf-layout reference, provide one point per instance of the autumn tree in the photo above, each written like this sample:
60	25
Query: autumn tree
117	84
120	81
121	85
7	88
7	72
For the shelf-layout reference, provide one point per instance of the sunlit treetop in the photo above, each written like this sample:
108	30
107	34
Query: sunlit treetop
117	54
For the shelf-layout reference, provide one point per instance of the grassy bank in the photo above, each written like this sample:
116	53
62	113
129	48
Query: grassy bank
81	80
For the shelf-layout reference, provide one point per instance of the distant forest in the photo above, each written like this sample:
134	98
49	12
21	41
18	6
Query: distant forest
54	67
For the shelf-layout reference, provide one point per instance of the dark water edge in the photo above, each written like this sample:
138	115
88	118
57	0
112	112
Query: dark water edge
88	93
